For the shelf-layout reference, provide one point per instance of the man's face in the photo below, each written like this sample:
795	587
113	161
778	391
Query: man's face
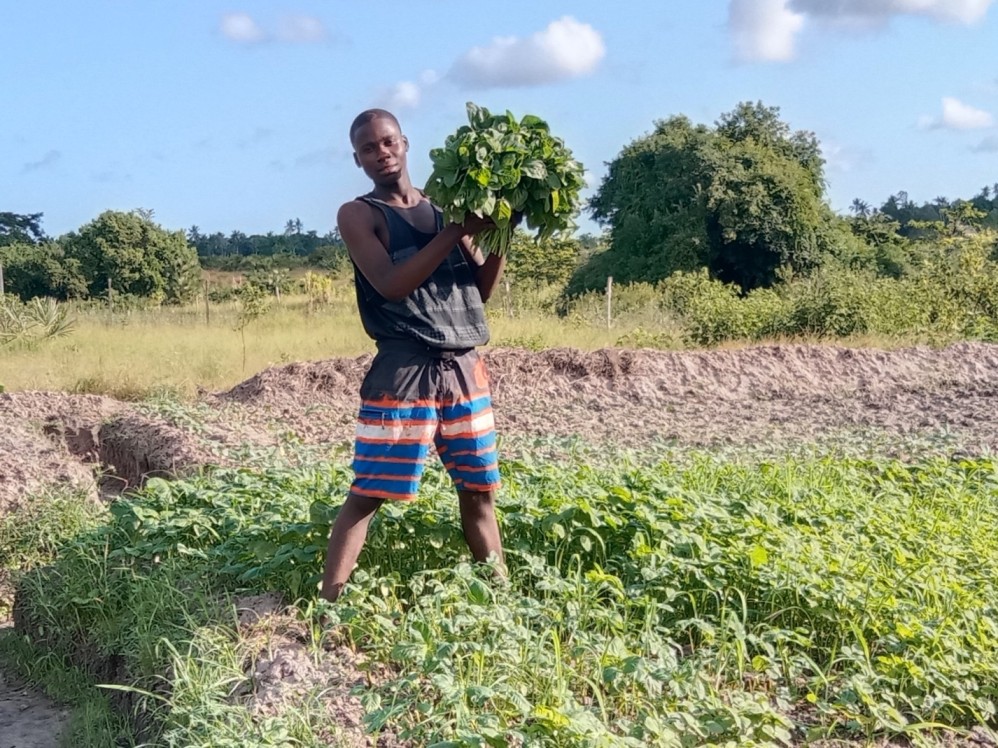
380	150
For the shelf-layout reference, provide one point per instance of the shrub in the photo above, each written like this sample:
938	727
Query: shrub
711	311
28	323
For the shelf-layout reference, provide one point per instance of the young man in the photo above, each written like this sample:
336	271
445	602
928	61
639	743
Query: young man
420	292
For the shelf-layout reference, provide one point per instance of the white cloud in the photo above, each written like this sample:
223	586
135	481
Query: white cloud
768	29
301	29
567	48
404	95
763	29
241	28
958	116
876	12
408	94
292	29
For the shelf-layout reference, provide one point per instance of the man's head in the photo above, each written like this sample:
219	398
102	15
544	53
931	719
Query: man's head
379	147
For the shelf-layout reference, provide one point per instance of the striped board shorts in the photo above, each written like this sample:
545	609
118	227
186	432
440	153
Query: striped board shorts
414	396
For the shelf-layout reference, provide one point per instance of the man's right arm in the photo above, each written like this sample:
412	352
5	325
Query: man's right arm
357	228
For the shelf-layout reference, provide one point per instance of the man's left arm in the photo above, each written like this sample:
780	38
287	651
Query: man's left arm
487	270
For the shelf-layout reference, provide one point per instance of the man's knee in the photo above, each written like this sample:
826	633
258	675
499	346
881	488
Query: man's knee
358	508
478	502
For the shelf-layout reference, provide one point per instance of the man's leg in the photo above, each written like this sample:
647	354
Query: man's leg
466	442
346	539
481	529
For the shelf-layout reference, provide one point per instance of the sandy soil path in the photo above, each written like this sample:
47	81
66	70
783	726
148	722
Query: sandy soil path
28	719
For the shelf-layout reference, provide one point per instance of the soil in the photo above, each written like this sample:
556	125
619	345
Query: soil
785	394
27	718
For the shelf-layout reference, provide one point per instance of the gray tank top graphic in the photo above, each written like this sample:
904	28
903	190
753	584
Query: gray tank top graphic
444	312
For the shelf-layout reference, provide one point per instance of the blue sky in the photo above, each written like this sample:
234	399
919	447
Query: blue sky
234	115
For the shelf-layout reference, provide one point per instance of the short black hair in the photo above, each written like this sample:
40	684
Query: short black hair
371	114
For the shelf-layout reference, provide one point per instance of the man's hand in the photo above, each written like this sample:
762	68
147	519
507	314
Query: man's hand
474	224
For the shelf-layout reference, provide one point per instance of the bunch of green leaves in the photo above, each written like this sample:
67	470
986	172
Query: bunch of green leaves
497	167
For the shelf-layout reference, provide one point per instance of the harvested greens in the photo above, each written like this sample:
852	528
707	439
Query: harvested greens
496	167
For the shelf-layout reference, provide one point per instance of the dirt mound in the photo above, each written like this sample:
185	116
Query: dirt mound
761	394
332	380
135	447
745	395
758	372
749	395
29	461
87	441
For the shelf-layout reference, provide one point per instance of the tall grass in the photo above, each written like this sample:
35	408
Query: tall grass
136	353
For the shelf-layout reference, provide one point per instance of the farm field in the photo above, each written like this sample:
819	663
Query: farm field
770	545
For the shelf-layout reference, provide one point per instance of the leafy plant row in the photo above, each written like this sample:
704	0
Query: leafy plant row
704	604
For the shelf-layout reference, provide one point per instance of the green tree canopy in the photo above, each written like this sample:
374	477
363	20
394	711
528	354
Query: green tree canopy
138	257
742	199
33	270
20	228
541	262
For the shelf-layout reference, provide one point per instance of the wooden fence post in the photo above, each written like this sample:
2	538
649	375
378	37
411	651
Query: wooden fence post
2	291
207	313
609	302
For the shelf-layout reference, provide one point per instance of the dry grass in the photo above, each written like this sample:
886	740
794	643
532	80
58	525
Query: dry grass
137	354
134	354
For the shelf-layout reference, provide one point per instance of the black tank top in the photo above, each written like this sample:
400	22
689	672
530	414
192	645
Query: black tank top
444	312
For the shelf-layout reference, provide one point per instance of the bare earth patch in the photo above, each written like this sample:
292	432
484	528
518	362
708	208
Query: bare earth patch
29	462
762	394
27	718
739	396
284	672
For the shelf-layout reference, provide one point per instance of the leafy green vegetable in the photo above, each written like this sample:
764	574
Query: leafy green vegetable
496	167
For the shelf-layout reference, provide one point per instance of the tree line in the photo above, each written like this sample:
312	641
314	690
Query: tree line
744	199
128	253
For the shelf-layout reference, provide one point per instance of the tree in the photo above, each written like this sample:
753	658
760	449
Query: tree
885	249
37	270
137	256
21	228
539	262
762	125
240	244
860	208
741	199
654	202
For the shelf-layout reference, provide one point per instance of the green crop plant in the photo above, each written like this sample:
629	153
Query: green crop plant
702	600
